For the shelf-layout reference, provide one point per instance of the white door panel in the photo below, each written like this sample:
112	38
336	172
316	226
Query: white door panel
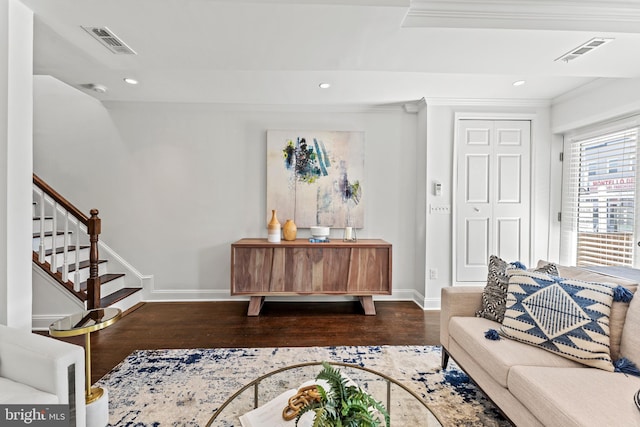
512	132
509	237
478	137
493	192
478	133
473	222
509	178
505	137
477	185
477	246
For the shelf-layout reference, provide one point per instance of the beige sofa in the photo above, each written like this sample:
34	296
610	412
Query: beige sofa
535	387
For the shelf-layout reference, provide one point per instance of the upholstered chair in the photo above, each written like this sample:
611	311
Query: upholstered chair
39	370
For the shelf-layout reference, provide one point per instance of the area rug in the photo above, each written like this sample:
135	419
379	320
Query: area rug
186	387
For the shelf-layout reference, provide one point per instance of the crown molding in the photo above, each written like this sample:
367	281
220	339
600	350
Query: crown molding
409	107
489	102
383	3
414	107
564	15
248	108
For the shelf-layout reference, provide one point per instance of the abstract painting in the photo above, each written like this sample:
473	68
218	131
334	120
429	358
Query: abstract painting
316	177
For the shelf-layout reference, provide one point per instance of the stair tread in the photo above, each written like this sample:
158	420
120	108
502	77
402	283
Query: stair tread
61	250
117	296
105	278
48	234
83	264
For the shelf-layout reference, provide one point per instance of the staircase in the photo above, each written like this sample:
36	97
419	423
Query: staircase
65	270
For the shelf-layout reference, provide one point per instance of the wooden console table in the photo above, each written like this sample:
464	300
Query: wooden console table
260	268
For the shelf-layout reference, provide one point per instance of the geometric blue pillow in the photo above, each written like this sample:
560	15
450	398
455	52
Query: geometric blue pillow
564	316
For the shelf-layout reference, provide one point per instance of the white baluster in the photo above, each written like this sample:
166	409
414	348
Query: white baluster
76	275
65	240
42	247
54	236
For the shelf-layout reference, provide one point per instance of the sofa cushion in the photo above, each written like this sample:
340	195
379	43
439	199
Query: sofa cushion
630	342
576	397
497	357
618	309
12	392
565	316
494	294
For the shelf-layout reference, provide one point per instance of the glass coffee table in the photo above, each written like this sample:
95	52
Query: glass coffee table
405	407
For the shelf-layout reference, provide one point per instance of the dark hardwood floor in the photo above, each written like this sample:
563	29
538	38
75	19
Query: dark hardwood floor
281	324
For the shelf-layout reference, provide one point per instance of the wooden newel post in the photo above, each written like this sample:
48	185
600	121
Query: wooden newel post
93	282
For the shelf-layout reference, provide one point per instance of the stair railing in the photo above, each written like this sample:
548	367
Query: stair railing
50	202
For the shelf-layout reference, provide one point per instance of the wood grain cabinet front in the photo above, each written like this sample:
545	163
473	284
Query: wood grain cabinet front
361	268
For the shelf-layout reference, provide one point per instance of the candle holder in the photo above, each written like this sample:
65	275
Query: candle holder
349	234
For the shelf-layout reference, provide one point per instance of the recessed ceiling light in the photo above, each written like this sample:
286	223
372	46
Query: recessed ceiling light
324	85
519	83
131	81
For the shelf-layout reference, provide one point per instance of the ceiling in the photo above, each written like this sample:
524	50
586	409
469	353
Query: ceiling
370	51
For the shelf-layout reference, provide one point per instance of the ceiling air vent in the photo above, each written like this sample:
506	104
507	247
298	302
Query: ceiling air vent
109	40
583	49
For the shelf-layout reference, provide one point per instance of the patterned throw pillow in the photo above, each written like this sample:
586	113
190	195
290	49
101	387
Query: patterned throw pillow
551	269
494	294
565	316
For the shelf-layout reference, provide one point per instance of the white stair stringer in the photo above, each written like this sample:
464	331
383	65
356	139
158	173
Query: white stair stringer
133	278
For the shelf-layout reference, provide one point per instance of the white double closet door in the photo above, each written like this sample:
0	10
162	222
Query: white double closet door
493	186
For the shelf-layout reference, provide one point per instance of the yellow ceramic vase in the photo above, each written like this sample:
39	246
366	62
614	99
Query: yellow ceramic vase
289	230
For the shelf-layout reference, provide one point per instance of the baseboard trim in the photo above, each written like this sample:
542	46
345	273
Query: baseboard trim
431	304
181	295
42	322
426	303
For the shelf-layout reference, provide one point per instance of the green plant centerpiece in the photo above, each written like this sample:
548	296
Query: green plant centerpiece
343	405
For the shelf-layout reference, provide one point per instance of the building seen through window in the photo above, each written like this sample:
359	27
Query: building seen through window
605	205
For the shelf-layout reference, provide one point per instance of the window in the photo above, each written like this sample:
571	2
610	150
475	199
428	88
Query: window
599	198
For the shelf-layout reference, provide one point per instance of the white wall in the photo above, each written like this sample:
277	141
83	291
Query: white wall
44	313
16	65
176	184
440	137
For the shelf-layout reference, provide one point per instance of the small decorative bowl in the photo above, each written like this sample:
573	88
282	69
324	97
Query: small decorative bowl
320	232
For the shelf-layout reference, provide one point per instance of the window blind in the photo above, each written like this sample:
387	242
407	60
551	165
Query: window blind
599	198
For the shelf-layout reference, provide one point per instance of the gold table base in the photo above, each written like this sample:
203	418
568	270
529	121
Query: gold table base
94	394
